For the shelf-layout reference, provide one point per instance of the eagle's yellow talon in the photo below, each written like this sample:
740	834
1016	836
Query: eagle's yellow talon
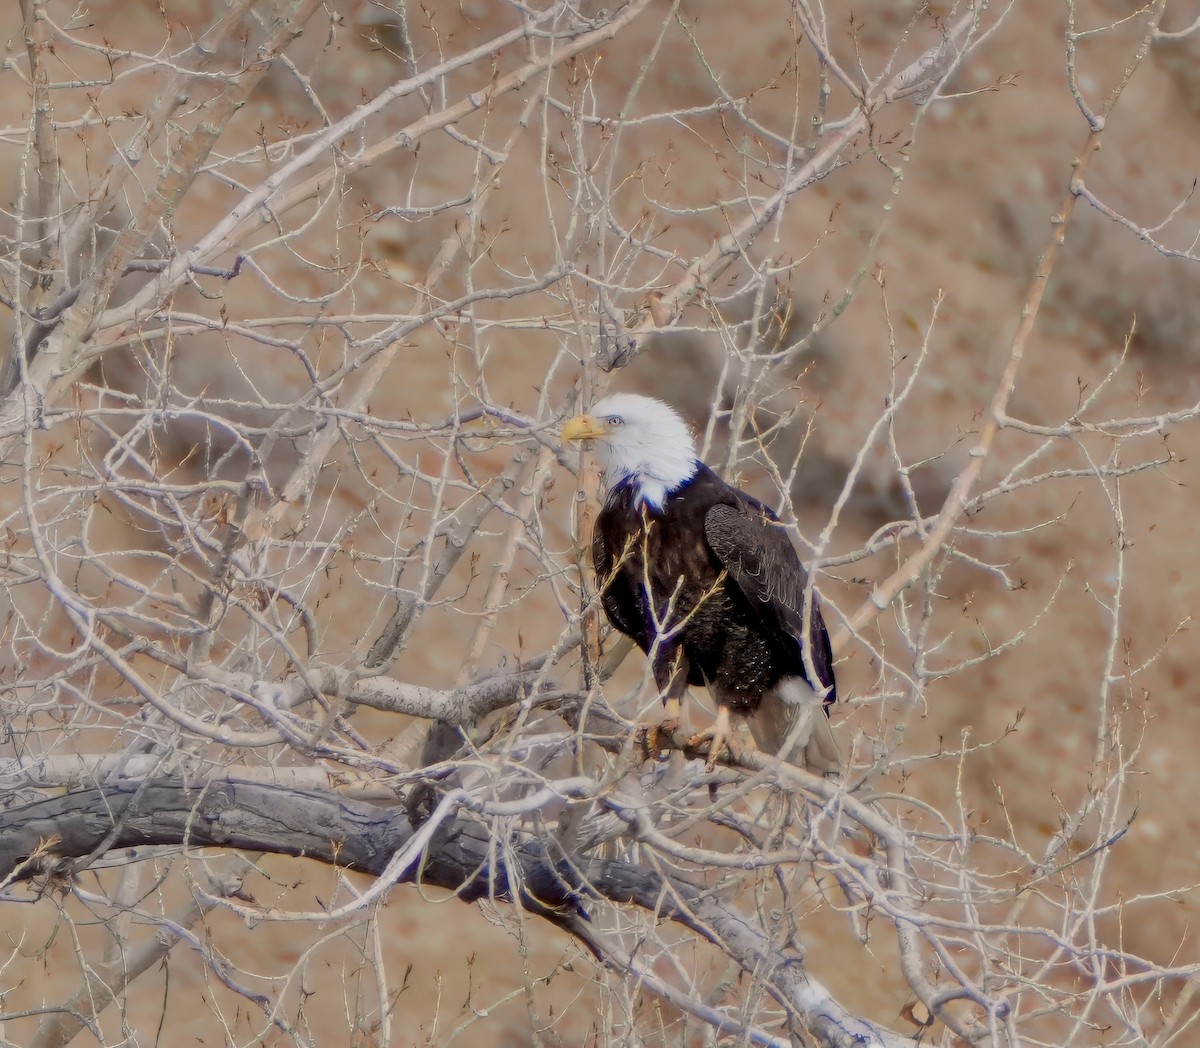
719	746
656	738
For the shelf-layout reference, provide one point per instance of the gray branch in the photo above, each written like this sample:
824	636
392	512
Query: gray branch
47	836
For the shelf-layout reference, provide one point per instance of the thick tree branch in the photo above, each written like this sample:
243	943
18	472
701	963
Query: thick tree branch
462	857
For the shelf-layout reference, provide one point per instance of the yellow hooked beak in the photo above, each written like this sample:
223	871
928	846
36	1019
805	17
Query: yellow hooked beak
583	427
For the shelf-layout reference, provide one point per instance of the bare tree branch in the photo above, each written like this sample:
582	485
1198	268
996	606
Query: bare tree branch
331	829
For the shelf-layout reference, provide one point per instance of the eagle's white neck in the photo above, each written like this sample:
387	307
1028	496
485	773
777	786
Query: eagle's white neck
651	449
650	491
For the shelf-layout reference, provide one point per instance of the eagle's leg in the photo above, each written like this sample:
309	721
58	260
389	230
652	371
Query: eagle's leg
719	738
658	736
670	722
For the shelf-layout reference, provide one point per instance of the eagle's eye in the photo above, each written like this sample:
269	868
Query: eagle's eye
614	421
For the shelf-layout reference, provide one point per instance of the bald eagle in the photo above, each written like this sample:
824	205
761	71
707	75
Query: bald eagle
705	580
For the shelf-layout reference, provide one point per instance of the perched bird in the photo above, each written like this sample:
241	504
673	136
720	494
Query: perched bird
705	580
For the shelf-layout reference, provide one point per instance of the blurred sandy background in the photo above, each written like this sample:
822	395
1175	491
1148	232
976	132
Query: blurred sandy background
979	180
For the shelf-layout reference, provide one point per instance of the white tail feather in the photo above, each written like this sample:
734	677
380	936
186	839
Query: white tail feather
789	723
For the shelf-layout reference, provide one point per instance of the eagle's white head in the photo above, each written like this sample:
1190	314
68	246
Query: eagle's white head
639	439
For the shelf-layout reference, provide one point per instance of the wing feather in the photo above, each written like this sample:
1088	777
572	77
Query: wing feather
621	602
753	547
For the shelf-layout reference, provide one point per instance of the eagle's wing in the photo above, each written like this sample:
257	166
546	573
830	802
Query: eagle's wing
621	603
753	547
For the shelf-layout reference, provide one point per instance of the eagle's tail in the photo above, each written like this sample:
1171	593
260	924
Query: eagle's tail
790	722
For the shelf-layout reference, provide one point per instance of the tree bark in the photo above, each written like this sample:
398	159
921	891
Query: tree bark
54	834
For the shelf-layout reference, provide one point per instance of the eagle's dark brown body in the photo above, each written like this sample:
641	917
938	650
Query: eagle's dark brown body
713	578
